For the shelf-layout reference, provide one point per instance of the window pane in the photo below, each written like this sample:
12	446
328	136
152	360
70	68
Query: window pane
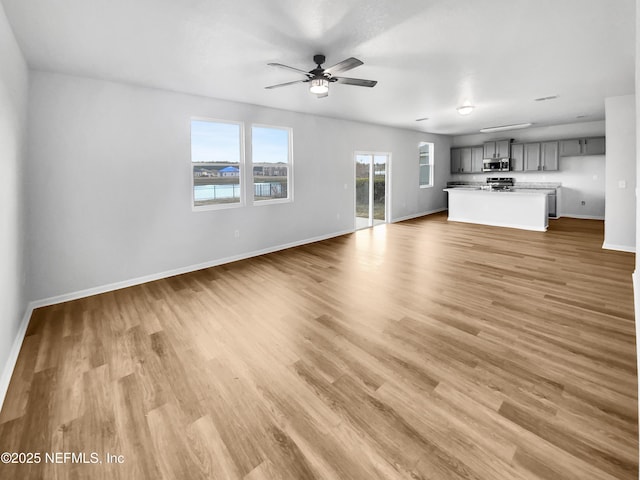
270	147
216	162
425	170
215	142
363	175
215	185
270	182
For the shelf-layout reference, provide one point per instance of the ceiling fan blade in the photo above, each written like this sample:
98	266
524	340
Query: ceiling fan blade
356	81
279	65
285	84
343	66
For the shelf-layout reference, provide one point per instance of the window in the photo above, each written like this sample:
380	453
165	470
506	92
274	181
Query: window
425	154
271	158
216	163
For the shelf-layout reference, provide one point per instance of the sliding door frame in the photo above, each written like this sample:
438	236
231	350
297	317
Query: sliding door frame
387	185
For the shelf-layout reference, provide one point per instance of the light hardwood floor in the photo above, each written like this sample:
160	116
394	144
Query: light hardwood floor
418	350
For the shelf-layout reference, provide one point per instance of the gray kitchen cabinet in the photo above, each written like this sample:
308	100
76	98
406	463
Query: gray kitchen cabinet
497	149
571	148
594	146
549	156
531	156
455	160
461	160
517	157
476	159
465	160
576	147
541	156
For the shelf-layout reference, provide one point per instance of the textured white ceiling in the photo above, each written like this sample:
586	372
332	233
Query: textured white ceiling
428	56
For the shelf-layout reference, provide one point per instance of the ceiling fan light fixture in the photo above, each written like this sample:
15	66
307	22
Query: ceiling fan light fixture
465	109
319	86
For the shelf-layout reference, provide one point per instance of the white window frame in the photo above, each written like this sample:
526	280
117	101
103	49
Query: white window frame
241	167
430	165
273	201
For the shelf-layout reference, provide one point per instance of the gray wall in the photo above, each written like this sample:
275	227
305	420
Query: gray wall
109	183
13	118
582	178
637	117
620	215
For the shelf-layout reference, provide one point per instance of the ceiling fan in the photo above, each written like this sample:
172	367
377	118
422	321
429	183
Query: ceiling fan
321	77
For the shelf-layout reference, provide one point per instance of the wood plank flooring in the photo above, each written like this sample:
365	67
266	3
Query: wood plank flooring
418	350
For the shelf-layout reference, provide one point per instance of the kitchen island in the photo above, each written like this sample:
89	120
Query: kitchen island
524	210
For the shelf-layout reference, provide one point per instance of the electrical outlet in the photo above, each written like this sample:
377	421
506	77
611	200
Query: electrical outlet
236	234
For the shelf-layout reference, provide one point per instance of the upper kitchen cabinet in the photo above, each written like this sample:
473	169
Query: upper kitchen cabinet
549	155
461	160
541	156
570	148
497	149
531	156
582	146
476	159
517	157
456	154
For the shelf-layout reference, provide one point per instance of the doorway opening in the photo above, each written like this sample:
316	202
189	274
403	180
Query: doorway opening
372	171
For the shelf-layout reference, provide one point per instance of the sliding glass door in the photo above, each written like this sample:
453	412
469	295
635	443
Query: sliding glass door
371	189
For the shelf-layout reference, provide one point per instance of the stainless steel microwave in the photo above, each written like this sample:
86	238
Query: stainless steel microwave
495	165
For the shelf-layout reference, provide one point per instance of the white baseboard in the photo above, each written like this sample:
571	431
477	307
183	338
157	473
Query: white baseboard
620	248
584	217
177	271
416	215
10	365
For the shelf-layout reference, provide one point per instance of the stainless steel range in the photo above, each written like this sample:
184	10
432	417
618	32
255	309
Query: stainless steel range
504	184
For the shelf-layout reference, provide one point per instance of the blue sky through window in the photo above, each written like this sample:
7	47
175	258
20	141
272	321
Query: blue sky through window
270	145
215	141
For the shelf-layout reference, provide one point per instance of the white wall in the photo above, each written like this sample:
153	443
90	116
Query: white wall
13	118
582	178
636	273
109	183
637	270
620	213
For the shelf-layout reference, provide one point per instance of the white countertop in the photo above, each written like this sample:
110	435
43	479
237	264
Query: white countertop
498	192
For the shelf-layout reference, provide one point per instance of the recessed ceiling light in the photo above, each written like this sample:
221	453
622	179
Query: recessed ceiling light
542	99
465	109
422	119
505	127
